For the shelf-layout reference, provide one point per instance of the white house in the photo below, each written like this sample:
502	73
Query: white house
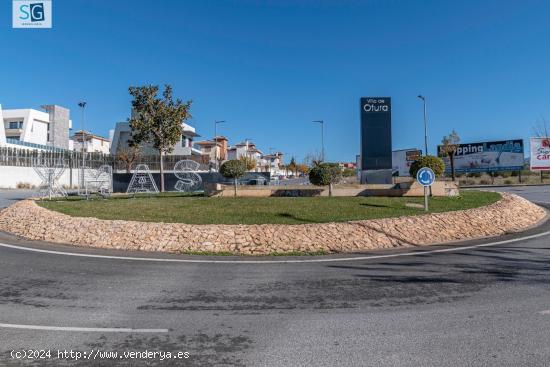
264	162
244	149
90	142
122	135
48	129
274	162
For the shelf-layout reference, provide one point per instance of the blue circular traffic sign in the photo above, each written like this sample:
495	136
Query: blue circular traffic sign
425	176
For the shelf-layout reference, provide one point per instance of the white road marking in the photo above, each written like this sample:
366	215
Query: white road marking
545	312
82	329
321	260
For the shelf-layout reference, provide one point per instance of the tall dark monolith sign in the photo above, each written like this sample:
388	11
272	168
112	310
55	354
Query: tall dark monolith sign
376	164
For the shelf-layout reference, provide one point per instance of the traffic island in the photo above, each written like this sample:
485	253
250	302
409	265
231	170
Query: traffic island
509	214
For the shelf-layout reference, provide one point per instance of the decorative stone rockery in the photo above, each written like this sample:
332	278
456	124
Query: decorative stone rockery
510	214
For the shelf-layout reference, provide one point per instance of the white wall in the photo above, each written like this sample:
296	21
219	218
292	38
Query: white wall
92	145
10	176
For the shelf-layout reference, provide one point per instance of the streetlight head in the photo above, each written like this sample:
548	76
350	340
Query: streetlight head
421	97
219	122
82	104
319	121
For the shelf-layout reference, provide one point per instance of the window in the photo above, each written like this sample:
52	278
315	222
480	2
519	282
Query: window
16	125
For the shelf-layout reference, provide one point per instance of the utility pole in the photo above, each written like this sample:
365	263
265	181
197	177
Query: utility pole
322	122
425	125
82	105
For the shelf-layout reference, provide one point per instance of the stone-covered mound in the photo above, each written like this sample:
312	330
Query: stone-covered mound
510	214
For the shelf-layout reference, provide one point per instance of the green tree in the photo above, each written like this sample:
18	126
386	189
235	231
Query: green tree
234	169
157	120
324	174
430	161
249	162
292	166
349	172
448	148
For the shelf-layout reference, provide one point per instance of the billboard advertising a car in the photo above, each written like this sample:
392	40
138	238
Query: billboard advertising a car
540	154
489	156
402	160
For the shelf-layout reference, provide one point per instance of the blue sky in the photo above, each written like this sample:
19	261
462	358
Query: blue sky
271	67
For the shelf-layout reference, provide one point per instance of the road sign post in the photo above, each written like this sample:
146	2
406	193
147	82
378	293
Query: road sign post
425	177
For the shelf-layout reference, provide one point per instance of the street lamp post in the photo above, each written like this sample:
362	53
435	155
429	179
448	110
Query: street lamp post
322	122
216	141
425	125
82	105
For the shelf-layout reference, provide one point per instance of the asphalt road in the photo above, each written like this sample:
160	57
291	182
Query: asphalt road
8	197
480	306
533	193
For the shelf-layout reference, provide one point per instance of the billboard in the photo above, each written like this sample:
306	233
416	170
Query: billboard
540	154
489	156
402	160
375	133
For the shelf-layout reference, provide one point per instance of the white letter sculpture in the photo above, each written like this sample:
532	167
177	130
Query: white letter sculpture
98	181
188	179
49	173
142	181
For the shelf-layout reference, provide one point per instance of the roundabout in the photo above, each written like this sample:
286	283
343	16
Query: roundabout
505	215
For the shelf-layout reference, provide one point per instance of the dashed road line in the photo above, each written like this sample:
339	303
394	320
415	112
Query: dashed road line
81	329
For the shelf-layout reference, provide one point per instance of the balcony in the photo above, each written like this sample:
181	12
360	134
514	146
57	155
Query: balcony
33	145
13	133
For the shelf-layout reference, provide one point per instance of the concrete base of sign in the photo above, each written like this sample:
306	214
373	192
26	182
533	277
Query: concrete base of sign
379	176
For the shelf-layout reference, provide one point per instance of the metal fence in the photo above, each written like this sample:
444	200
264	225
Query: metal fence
26	157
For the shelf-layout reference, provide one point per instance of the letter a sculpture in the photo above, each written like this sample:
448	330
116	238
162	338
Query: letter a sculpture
188	179
142	181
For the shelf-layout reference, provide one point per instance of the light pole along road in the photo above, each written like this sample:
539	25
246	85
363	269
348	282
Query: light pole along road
423	98
478	306
322	122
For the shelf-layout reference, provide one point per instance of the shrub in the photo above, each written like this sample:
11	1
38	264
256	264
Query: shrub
466	182
348	172
325	174
508	182
485	181
24	185
474	174
233	169
430	161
